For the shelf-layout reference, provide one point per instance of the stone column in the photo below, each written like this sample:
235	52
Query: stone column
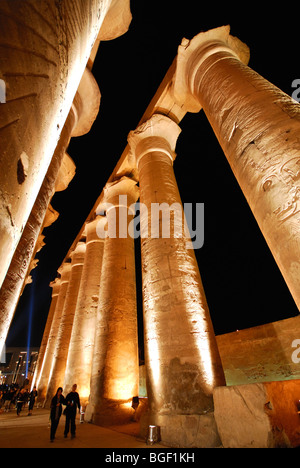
84	110
181	355
79	363
257	126
45	47
55	291
43	378
114	377
57	373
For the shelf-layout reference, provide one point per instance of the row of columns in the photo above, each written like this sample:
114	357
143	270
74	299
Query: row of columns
93	327
256	125
47	52
45	48
60	173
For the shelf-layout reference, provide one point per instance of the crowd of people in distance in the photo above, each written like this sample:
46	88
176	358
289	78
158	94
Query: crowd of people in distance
16	397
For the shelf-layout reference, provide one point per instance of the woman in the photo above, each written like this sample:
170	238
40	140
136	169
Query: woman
32	397
56	410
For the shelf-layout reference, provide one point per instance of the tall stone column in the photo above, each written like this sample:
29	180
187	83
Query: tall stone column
83	112
182	360
43	378
257	126
80	355
115	375
44	47
18	269
55	291
57	373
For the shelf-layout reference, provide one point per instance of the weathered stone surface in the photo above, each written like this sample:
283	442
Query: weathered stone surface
60	354
80	353
43	377
180	430
268	352
181	355
114	374
257	126
263	415
44	50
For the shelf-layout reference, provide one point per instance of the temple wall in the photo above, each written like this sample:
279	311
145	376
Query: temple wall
261	354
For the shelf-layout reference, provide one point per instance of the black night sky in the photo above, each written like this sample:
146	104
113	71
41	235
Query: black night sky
243	285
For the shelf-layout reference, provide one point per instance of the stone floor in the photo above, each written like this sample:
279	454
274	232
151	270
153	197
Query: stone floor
34	432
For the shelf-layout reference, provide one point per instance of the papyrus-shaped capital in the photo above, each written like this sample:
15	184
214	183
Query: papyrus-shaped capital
192	55
159	133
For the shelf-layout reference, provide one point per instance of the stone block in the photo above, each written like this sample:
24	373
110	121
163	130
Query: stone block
184	430
261	415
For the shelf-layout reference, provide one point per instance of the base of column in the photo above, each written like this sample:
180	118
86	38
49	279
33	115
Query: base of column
183	430
111	413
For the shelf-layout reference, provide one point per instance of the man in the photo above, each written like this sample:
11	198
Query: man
21	400
72	401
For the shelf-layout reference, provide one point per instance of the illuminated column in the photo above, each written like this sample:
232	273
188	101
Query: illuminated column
20	263
114	377
44	51
84	110
79	363
257	126
181	354
57	372
42	382
55	291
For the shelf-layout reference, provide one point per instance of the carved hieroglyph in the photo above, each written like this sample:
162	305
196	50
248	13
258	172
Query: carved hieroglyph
45	371
80	353
114	376
258	127
60	354
44	49
181	355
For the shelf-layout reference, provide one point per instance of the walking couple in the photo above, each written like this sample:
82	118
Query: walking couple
72	402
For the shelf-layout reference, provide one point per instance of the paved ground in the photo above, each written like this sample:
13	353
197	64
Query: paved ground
34	432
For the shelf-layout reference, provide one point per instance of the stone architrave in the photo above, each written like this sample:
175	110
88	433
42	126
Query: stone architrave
182	360
257	126
55	291
115	374
57	373
45	47
80	354
43	377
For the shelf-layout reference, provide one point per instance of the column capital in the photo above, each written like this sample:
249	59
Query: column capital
114	194
159	133
55	285
86	104
193	53
91	229
117	20
78	254
64	270
65	174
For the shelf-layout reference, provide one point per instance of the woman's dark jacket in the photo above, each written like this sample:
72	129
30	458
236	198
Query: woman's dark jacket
55	412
